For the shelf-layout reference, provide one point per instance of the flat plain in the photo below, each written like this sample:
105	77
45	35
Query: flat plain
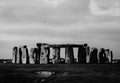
62	73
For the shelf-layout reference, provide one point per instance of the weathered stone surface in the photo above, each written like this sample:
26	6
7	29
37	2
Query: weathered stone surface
14	57
41	54
111	56
82	54
56	55
25	55
38	53
31	56
69	55
88	54
44	56
88	50
36	56
108	55
18	56
102	56
93	55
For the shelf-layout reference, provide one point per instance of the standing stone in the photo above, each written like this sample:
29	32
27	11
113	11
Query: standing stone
38	53
82	54
108	56
25	55
20	55
111	56
69	55
87	54
36	56
14	58
102	56
45	52
93	55
87	50
31	56
56	55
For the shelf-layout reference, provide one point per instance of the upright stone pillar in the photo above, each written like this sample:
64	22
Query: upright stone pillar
36	55
31	56
87	50
19	54
108	55
69	55
102	56
111	56
93	55
44	56
87	54
82	54
56	55
14	57
38	51
25	55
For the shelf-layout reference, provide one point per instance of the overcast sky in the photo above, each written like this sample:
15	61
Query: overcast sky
96	22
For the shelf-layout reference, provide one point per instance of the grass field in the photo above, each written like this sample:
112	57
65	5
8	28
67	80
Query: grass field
64	73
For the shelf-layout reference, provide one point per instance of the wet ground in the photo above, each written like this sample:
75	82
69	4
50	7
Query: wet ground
60	73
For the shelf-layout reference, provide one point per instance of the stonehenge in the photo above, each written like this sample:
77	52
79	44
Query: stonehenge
41	54
36	55
93	55
82	53
31	56
14	57
44	54
69	55
24	54
109	55
56	55
20	55
102	56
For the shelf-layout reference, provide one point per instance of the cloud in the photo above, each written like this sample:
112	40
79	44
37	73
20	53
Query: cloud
58	21
108	8
68	12
54	3
80	31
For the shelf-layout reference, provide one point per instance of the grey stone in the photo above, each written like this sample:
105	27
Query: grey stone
93	55
14	57
82	54
56	55
25	55
102	56
69	55
31	56
44	56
